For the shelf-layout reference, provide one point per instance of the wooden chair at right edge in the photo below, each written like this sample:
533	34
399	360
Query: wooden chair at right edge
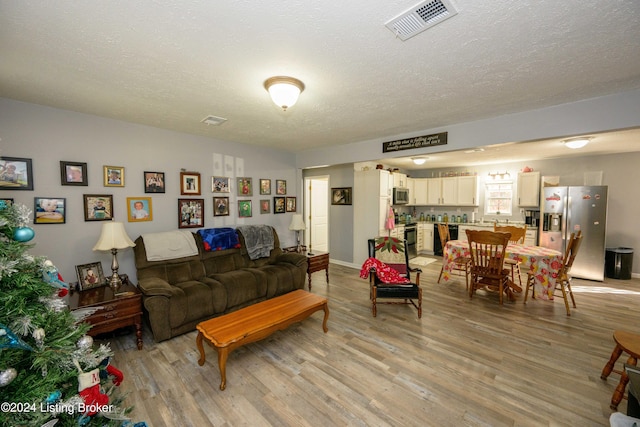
563	283
460	264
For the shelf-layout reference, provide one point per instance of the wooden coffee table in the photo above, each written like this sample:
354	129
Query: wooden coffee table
253	323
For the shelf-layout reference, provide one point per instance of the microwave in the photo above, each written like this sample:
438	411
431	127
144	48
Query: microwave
400	196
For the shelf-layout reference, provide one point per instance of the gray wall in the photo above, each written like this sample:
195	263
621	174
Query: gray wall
47	136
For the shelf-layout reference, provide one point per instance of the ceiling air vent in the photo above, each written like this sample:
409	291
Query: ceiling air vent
213	120
420	17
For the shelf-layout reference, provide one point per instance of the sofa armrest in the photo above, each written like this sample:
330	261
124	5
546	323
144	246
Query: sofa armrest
294	258
154	286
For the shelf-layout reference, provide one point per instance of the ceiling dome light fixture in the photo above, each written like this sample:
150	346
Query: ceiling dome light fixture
576	142
419	160
284	90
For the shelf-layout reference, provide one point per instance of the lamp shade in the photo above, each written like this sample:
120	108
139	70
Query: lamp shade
113	236
297	223
284	91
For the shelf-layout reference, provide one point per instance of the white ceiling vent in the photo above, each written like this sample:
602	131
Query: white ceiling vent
213	120
424	15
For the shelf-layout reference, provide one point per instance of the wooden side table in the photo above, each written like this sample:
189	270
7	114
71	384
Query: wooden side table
113	311
316	261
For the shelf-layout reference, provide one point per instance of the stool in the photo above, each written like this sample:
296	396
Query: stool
630	344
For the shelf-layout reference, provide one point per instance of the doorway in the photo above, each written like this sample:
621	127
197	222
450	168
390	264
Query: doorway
316	196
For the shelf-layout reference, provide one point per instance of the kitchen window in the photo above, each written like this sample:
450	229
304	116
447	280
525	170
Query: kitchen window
498	198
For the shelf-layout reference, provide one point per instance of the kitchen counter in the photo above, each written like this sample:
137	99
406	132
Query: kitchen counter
478	224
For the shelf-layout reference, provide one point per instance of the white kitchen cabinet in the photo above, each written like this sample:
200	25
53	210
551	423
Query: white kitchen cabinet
467	191
449	194
370	209
434	191
426	229
418	189
529	189
531	237
399	180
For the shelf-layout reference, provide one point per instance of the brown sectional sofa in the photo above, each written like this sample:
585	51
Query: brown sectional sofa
179	293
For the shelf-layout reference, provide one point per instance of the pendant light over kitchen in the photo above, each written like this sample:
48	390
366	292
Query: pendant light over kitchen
284	90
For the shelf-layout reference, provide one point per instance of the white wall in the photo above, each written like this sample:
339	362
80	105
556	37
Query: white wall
47	136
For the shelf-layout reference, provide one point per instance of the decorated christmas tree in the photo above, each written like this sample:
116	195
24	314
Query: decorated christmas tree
51	373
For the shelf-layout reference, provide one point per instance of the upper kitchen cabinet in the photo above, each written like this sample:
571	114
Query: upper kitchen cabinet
434	191
418	191
468	190
529	189
399	180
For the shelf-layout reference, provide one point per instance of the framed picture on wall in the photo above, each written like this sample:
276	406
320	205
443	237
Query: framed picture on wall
279	205
281	187
139	209
15	174
113	176
190	213
154	182
341	196
245	186
49	210
265	187
291	204
244	209
220	184
98	207
73	173
220	206
265	206
190	183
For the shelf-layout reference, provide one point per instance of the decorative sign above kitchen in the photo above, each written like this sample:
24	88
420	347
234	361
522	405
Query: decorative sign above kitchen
415	142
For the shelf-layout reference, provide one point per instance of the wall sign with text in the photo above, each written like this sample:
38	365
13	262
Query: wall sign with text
415	142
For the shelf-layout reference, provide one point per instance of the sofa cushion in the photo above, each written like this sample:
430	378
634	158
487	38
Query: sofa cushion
242	286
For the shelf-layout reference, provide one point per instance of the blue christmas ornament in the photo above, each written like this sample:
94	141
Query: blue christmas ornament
54	397
3	205
10	340
23	234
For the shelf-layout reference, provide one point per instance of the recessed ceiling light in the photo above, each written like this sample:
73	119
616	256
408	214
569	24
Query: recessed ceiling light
419	160
576	142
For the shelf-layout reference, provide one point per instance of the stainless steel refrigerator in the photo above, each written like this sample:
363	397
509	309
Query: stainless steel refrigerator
565	210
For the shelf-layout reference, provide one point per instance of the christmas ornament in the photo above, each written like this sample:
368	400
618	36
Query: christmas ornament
110	370
7	376
89	390
10	340
54	397
85	342
23	234
50	275
39	335
3	205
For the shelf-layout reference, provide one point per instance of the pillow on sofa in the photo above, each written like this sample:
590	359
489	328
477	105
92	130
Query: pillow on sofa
218	239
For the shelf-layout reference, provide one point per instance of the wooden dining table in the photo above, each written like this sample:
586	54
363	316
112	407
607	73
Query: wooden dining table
542	263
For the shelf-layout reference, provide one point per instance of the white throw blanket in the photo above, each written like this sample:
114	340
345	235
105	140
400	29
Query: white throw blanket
169	245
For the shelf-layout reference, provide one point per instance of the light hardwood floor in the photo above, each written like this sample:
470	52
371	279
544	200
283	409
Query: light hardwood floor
465	363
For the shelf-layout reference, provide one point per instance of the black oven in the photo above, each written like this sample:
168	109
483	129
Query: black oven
411	236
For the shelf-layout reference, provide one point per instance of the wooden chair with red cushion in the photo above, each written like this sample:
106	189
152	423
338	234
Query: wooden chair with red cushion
392	254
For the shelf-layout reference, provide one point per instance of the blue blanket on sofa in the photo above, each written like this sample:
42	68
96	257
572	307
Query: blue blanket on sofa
218	239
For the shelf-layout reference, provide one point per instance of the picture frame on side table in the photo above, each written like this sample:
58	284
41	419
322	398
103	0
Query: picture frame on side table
90	276
341	196
281	187
73	173
154	182
98	207
49	210
220	184
139	209
244	209
245	186
190	213
4	202
190	183
265	187
291	204
279	205
220	206
265	206
15	173
113	176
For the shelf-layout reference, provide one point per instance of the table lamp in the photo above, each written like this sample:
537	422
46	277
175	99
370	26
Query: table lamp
297	224
113	237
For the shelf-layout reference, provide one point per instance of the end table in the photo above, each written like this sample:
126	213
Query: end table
316	261
113	311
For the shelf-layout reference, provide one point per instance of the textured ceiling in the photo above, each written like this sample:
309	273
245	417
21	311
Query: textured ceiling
169	64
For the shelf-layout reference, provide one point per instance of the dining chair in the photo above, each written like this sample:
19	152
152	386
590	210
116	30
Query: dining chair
459	264
563	282
488	251
386	277
518	235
